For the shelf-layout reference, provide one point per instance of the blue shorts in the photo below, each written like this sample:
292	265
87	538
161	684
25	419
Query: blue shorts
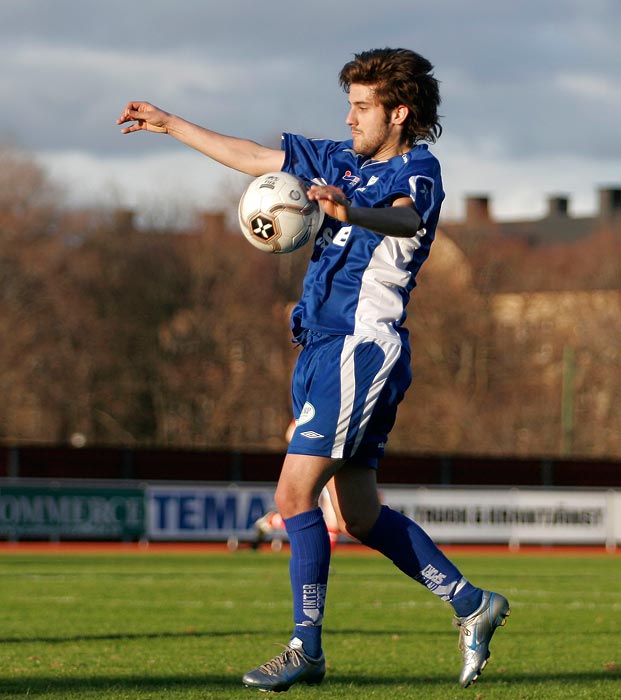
345	394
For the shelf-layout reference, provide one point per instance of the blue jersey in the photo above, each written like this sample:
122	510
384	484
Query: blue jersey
358	282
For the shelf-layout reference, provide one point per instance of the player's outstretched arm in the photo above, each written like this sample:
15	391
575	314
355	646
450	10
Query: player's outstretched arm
401	220
241	154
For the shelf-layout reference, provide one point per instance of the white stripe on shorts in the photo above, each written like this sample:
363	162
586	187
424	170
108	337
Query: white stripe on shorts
392	352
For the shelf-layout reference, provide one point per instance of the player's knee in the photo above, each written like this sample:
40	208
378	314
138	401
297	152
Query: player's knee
283	501
357	526
292	501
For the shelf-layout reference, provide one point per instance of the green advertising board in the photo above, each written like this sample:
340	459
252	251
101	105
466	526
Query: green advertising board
59	511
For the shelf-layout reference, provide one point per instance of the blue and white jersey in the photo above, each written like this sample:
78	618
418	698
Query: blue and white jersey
358	282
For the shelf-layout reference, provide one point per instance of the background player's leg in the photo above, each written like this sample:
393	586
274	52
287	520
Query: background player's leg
329	515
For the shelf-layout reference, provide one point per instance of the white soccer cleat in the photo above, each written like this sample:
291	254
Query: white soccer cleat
289	667
475	634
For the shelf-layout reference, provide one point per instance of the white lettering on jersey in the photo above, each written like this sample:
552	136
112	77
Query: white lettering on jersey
341	237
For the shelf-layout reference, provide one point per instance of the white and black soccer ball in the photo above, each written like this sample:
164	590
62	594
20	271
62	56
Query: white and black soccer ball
276	215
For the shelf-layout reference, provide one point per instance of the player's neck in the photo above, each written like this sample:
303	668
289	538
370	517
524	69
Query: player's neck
391	147
388	151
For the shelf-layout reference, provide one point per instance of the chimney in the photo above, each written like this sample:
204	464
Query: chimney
125	220
213	221
477	209
609	202
558	206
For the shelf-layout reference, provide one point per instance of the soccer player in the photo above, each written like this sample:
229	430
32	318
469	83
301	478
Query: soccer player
381	192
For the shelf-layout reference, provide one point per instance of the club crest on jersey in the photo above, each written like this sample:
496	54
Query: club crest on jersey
350	177
306	415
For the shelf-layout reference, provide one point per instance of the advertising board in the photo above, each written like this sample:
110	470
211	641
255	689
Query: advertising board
56	511
202	512
513	516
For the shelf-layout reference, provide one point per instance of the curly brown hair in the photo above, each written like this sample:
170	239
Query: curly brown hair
400	77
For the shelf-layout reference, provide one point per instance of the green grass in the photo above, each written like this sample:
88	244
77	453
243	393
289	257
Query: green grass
189	625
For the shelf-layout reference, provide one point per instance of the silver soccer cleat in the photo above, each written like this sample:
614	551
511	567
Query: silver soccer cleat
475	634
289	667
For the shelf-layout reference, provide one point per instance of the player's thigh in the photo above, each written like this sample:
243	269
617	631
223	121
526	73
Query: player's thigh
300	483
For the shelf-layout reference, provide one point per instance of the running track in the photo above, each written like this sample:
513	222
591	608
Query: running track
109	548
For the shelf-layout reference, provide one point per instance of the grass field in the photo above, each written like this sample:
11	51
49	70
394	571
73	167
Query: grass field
170	626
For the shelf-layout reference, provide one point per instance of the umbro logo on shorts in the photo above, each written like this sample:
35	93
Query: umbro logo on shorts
311	434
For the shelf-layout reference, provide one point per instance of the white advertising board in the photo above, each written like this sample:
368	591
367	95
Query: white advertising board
513	516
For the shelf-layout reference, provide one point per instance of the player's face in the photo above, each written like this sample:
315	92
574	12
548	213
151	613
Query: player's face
373	131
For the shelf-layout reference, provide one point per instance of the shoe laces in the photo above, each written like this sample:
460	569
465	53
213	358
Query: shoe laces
464	631
279	662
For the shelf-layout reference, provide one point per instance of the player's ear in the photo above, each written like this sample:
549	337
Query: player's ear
400	114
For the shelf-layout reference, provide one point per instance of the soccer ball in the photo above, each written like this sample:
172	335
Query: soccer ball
275	214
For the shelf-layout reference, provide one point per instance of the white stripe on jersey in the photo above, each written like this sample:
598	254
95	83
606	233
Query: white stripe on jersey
392	353
380	302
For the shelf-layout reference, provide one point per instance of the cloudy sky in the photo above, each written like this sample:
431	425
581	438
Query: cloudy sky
531	90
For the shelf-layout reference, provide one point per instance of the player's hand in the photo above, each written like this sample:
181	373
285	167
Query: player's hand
146	117
331	199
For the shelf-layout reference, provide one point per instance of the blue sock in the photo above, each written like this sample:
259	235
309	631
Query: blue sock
411	549
308	569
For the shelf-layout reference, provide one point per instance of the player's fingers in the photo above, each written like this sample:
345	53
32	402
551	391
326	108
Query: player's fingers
330	192
134	111
126	116
127	109
320	192
333	194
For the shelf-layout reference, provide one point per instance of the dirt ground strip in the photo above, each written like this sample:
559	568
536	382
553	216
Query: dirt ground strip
111	548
